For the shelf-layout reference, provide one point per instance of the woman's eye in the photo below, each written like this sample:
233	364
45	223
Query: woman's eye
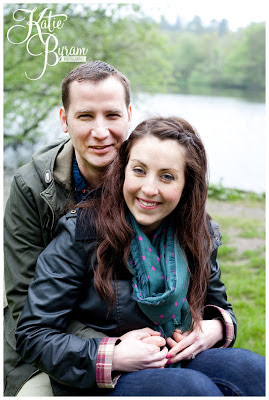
168	177
138	170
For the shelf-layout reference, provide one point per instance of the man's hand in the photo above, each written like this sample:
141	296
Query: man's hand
184	345
139	349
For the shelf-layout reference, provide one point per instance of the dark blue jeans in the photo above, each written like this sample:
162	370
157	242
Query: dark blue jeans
214	372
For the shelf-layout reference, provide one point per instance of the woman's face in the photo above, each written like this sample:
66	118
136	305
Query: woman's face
154	180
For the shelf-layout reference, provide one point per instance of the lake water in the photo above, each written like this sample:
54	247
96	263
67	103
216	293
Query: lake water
232	129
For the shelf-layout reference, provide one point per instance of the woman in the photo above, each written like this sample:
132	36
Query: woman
138	265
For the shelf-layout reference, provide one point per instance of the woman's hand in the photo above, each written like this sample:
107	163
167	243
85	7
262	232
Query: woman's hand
153	337
190	343
139	349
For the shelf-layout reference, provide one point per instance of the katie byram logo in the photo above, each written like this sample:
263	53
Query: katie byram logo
39	36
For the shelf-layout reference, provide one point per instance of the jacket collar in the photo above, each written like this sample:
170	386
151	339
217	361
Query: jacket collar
63	166
54	162
86	230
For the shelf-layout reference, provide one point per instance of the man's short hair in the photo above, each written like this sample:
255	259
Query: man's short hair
94	71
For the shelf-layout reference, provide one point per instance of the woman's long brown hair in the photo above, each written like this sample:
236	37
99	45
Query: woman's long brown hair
190	217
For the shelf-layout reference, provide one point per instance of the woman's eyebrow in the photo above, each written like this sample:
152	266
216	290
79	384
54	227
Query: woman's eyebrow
162	169
141	162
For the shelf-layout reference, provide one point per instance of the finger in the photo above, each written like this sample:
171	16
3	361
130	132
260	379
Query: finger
161	355
157	364
136	333
178	331
178	336
171	342
183	344
187	354
142	334
152	332
157	340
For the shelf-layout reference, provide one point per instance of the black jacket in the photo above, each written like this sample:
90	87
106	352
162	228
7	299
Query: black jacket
63	290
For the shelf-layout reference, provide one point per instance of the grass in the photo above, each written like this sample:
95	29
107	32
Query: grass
245	285
249	228
243	272
219	192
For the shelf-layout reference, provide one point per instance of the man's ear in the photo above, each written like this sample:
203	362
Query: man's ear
129	116
63	120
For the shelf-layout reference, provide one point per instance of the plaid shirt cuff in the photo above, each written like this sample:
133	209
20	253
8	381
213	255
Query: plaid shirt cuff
227	321
104	378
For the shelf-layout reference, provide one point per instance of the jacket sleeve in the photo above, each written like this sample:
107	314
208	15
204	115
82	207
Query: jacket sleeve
23	242
216	304
60	274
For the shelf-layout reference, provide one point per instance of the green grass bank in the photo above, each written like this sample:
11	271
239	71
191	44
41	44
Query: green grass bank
241	217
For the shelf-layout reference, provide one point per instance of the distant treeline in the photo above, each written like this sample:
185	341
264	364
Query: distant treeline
156	57
215	56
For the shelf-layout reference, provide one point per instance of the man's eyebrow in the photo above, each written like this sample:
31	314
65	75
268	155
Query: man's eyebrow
114	111
109	111
83	112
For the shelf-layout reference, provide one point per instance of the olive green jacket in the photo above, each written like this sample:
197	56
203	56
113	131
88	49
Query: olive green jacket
41	192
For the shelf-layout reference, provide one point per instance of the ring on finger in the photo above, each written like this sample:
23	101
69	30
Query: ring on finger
192	356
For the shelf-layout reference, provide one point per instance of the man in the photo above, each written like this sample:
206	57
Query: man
97	114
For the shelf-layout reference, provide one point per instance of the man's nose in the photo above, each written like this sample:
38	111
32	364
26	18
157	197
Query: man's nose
100	130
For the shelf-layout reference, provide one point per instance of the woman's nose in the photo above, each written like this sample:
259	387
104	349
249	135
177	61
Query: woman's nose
150	189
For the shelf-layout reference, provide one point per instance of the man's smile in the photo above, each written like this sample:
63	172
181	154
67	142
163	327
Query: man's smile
100	147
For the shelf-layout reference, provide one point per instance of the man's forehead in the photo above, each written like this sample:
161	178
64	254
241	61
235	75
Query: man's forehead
106	82
87	95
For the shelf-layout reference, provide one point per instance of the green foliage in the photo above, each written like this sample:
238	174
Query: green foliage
155	57
115	33
228	253
217	57
219	192
245	227
243	273
248	45
245	285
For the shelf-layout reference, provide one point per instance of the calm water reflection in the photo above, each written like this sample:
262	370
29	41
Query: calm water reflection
232	129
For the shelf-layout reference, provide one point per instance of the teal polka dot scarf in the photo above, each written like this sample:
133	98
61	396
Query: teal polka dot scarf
160	278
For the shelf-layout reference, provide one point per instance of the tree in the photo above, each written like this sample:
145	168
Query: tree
223	27
244	64
195	25
116	33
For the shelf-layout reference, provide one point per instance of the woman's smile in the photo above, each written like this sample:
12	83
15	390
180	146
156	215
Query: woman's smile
148	204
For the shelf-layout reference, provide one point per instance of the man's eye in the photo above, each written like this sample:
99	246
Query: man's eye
168	177
84	116
113	115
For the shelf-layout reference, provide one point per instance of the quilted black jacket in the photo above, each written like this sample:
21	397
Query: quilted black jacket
63	290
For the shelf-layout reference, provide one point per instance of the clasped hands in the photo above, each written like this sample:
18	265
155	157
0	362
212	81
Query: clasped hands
145	348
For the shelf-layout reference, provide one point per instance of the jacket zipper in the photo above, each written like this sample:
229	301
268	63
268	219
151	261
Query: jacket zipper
34	373
44	198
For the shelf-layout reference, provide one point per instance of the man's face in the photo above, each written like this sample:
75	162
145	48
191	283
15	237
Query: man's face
97	121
